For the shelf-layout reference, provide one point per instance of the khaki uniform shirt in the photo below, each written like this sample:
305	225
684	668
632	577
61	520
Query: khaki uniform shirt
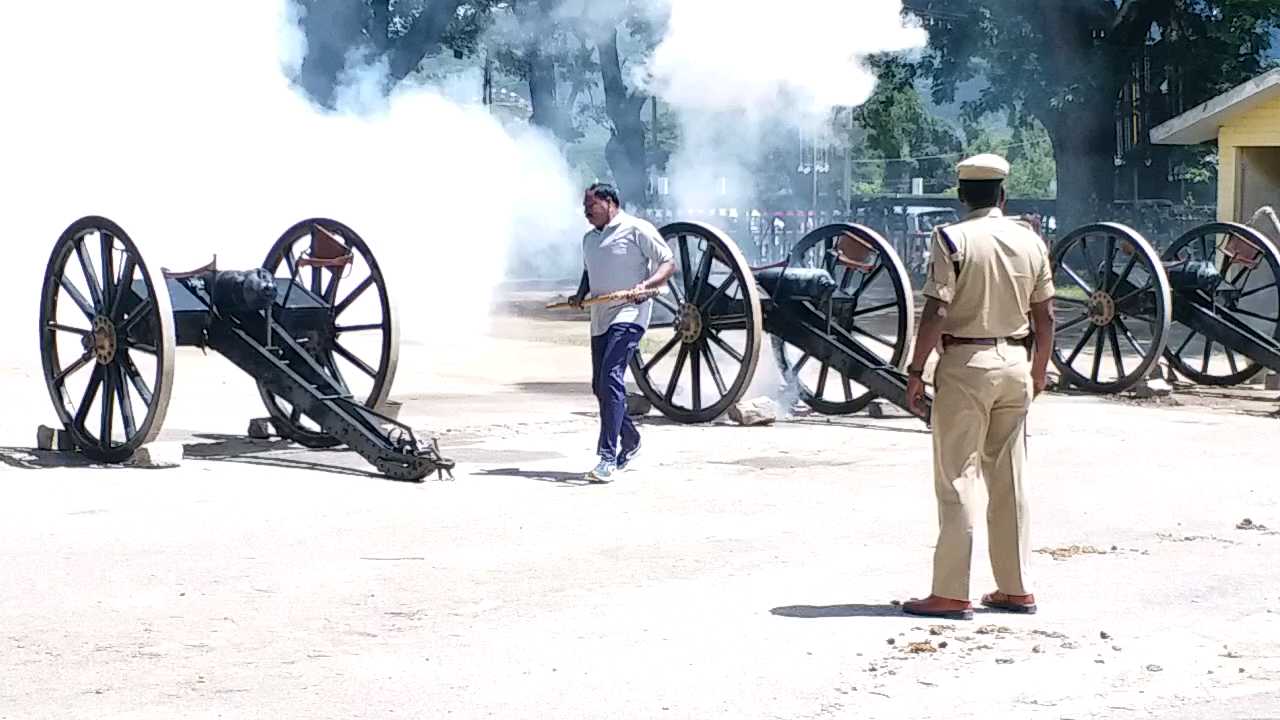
1003	268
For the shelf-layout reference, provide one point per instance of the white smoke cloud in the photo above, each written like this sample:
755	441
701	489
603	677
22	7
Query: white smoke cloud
795	60
740	73
178	121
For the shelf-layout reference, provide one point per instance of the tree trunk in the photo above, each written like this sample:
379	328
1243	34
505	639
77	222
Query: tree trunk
542	93
332	27
380	26
548	111
1084	149
626	150
422	39
1083	129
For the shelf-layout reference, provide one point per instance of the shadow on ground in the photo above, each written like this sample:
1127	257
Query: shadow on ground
809	612
32	459
240	449
550	476
555	388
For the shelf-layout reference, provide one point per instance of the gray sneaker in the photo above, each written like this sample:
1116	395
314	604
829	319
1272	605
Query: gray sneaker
603	473
625	458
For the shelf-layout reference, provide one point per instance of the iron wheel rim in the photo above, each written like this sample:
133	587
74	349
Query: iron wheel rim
290	422
1193	245
1148	306
125	328
696	288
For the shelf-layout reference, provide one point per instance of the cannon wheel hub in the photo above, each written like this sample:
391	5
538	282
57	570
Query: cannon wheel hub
102	341
1102	308
689	323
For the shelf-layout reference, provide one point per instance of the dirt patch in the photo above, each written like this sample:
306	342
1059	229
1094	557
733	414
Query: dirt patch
1066	553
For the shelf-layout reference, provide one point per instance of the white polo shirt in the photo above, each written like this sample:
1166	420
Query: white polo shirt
622	255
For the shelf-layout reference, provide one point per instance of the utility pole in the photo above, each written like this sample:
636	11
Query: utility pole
487	83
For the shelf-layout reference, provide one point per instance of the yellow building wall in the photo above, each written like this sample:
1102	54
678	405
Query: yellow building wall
1260	127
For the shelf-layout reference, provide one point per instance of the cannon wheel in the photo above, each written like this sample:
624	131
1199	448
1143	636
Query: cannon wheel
876	287
107	330
1089	264
711	322
1198	361
380	332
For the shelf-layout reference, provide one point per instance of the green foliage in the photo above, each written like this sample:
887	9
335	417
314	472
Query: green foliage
1027	148
901	132
1032	168
1065	63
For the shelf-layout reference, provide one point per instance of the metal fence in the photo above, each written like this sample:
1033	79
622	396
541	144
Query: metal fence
767	235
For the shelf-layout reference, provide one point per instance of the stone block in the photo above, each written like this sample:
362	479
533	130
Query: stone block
761	411
157	455
48	438
1149	388
261	429
1272	381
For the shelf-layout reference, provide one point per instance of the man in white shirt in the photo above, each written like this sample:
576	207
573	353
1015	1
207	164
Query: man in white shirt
622	252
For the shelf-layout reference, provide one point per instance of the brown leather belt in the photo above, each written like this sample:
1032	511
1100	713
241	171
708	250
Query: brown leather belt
949	340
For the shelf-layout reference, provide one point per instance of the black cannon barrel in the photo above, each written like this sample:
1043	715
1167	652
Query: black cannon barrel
796	283
237	291
1192	275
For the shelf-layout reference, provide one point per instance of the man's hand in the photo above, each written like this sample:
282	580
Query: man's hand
1040	380
915	395
575	302
641	292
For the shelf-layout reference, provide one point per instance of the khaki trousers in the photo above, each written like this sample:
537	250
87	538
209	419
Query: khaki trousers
982	395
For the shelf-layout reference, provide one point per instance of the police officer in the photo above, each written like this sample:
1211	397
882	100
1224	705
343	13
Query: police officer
988	312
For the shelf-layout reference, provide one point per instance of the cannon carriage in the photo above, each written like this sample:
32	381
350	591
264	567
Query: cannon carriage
110	322
838	313
1209	304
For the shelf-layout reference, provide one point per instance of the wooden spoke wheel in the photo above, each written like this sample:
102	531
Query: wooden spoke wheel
1248	267
873	303
703	342
1113	307
360	346
106	340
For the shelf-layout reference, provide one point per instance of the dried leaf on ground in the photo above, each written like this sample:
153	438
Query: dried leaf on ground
921	647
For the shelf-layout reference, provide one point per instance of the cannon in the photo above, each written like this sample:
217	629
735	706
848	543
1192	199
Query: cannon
1209	304
314	327
839	311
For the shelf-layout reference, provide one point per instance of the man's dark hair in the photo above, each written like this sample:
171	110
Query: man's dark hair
980	194
605	191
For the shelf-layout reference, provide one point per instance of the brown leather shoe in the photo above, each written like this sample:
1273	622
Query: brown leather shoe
939	607
1025	604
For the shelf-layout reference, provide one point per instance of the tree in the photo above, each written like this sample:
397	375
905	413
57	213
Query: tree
535	51
1064	64
607	25
1030	155
901	131
403	35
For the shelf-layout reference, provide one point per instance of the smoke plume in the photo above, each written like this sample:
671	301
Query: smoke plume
739	73
178	120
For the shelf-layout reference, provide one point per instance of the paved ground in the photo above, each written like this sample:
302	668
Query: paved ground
736	573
